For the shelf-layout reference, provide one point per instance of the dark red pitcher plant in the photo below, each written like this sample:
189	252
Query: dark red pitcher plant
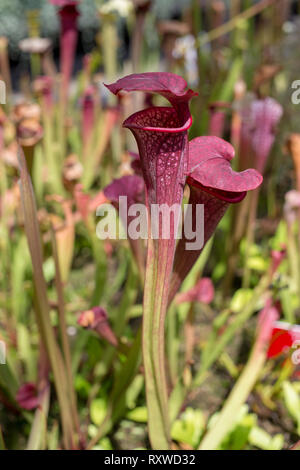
168	161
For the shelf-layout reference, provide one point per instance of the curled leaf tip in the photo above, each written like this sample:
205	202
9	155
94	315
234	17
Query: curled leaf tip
166	84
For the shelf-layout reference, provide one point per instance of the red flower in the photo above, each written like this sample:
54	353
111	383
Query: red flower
131	186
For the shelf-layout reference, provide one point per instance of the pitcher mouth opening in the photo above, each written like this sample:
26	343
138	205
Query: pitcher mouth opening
163	119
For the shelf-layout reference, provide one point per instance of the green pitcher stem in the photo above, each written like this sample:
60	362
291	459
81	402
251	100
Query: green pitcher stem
155	307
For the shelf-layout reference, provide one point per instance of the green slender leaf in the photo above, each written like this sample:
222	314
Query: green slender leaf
42	304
